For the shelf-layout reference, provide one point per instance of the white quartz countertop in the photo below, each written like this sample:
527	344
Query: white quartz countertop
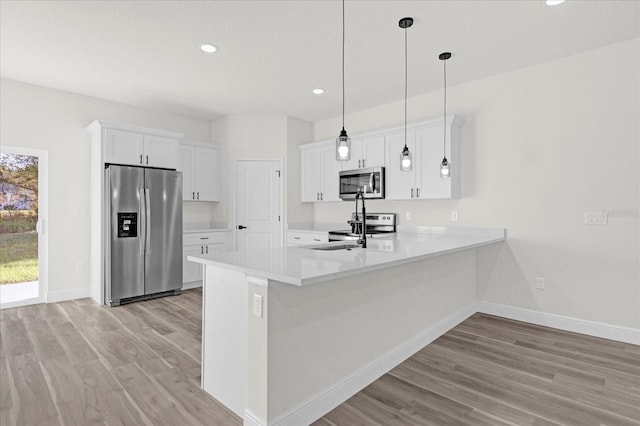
318	227
191	228
302	265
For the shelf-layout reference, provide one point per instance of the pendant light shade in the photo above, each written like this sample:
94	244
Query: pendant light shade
343	141
343	146
406	161
445	170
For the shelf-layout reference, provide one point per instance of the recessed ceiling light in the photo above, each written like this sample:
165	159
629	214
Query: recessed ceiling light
554	2
208	48
318	91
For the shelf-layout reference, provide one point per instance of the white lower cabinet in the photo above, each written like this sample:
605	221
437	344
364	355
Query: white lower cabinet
300	238
196	244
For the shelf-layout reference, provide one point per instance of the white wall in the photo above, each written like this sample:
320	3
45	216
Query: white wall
55	121
262	137
541	145
244	137
298	132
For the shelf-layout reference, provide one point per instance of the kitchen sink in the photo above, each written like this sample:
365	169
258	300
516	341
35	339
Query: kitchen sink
335	247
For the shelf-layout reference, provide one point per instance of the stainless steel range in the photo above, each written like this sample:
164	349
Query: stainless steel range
379	225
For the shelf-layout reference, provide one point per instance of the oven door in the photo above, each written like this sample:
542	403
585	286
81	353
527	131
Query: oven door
369	181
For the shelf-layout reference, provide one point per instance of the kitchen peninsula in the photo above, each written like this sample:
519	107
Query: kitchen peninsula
291	332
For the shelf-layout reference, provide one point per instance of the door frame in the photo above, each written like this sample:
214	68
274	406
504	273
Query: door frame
41	226
234	196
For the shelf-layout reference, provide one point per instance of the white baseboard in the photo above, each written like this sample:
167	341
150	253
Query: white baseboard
194	284
320	404
251	419
591	328
70	294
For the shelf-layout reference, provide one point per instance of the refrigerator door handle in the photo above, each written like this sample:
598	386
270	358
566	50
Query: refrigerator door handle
142	223
147	232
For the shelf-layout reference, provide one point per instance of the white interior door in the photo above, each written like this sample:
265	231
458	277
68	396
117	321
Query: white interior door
258	204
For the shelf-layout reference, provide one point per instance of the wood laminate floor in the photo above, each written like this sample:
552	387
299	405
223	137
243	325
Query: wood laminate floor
79	363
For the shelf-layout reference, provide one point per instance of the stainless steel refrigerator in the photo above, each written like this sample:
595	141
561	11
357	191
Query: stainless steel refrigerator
144	244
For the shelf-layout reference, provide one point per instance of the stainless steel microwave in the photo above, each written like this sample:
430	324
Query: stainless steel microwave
370	181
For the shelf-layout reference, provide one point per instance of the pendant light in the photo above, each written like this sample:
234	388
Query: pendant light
406	162
343	141
445	170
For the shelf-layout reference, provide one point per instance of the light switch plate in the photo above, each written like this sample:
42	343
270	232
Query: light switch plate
596	218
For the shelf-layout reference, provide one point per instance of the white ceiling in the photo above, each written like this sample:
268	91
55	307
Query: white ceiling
273	53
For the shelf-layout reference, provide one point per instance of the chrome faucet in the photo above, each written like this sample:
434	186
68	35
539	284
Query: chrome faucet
362	241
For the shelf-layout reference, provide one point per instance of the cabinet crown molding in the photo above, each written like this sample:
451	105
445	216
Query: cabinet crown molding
452	119
199	143
98	125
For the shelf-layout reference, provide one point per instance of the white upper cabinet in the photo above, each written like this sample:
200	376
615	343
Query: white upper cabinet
160	152
123	147
319	169
425	142
366	152
137	146
199	163
400	185
319	172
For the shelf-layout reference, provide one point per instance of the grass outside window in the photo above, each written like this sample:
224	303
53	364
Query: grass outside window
18	257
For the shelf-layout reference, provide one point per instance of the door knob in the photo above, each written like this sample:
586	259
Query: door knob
241	227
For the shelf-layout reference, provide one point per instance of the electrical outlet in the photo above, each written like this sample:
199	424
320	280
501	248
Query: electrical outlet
540	283
408	215
596	218
257	305
454	216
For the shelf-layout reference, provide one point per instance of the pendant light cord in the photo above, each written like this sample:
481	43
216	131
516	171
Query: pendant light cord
343	64
405	87
444	112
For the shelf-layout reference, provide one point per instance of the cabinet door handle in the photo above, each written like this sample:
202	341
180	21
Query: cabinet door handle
417	192
318	196
201	249
207	249
411	192
359	164
140	158
147	159
363	163
321	196
193	195
198	194
296	238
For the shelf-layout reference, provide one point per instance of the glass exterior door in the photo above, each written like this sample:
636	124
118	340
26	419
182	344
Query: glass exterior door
21	227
